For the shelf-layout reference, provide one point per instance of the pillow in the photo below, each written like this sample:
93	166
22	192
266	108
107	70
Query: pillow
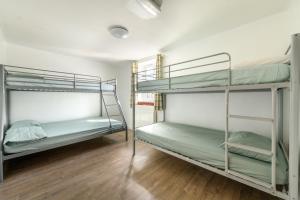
25	123
250	139
24	131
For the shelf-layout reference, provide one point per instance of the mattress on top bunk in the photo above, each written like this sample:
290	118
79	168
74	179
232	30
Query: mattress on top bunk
268	73
64	131
205	145
36	81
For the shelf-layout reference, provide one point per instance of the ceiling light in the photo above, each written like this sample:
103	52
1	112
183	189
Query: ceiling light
150	6
118	31
145	9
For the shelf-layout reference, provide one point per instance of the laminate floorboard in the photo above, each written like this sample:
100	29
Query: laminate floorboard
103	169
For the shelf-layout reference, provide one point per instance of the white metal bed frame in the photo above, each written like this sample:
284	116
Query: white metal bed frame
276	120
40	80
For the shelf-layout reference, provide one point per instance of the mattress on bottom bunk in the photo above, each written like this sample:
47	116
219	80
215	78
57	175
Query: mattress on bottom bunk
65	131
268	73
205	145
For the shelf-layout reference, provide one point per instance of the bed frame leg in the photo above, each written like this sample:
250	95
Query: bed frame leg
126	134
133	83
1	168
133	148
3	117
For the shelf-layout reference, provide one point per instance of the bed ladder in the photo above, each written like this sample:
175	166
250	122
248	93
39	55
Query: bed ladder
113	103
271	153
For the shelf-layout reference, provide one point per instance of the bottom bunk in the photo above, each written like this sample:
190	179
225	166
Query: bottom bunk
26	136
207	146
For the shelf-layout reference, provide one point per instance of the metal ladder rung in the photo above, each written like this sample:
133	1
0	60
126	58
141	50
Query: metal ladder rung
252	118
111	105
114	115
250	148
249	178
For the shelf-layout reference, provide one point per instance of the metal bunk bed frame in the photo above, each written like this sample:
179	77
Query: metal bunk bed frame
57	82
276	120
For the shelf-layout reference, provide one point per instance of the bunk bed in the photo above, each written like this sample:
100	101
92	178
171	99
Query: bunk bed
26	137
252	159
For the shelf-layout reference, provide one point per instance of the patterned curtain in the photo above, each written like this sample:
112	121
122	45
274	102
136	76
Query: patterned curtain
134	69
159	98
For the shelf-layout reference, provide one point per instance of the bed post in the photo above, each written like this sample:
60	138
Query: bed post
126	133
279	121
2	119
133	112
294	118
101	97
164	107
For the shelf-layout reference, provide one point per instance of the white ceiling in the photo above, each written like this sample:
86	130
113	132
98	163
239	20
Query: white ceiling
79	27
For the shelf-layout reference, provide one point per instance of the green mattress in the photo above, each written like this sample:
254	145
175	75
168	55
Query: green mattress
205	145
64	131
269	73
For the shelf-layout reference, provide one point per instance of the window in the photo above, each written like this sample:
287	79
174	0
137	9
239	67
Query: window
149	65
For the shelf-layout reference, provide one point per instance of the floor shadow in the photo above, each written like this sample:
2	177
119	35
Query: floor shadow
41	159
168	177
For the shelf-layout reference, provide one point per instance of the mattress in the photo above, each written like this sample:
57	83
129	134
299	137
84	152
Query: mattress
268	73
64	131
205	145
36	81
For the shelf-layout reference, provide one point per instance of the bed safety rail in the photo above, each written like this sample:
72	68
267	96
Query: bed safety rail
220	62
109	85
34	79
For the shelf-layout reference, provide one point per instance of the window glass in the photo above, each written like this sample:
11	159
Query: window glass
147	72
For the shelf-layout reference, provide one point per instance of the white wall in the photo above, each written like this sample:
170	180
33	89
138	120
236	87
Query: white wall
46	107
268	37
262	39
2	48
294	11
123	70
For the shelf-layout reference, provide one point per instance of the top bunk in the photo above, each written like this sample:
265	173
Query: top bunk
31	79
214	73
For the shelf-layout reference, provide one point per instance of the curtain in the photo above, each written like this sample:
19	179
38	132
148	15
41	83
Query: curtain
134	69
159	98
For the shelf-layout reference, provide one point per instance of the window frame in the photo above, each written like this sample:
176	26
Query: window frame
144	98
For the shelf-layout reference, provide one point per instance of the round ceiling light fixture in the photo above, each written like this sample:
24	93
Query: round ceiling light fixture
118	31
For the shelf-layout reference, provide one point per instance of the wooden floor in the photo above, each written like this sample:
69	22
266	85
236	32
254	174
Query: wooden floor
104	169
